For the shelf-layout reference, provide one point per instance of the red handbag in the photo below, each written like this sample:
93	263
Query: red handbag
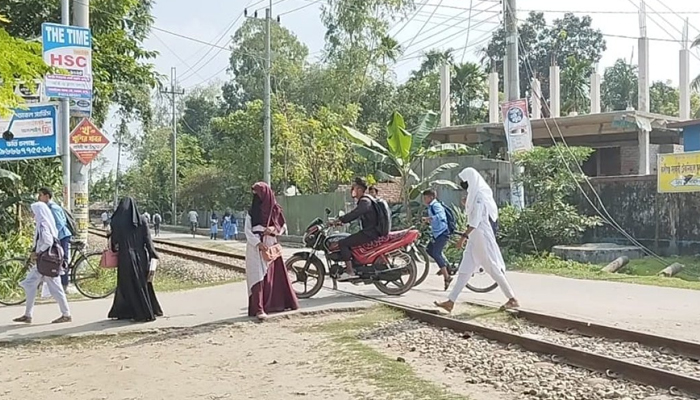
273	252
109	258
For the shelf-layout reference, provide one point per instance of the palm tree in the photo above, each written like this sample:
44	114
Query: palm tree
469	88
574	83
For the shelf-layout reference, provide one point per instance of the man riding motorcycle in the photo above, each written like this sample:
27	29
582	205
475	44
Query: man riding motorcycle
369	221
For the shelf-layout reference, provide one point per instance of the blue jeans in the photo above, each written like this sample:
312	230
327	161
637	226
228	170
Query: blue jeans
65	243
435	248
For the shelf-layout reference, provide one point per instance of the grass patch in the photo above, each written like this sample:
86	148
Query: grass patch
354	360
642	271
168	283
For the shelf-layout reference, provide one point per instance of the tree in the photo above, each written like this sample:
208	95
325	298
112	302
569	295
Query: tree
248	62
200	106
664	99
620	86
205	187
121	71
403	153
469	88
20	61
540	44
550	218
575	87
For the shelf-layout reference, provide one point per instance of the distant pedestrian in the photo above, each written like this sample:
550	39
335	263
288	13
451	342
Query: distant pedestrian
135	298
480	238
105	220
193	217
437	218
227	222
213	226
64	234
157	220
45	236
269	289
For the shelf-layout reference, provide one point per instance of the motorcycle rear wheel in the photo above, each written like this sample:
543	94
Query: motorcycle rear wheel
301	275
422	261
407	281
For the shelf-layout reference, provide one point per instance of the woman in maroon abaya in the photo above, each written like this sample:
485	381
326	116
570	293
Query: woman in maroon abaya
269	289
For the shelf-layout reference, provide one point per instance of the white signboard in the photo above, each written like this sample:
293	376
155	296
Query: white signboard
68	48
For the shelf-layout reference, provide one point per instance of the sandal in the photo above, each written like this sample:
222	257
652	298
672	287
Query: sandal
448	281
446	305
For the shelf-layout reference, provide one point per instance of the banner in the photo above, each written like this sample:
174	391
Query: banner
516	124
678	172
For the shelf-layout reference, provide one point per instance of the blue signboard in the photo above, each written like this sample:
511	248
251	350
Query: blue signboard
70	49
33	131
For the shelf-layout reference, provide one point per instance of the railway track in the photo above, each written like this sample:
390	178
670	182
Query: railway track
675	382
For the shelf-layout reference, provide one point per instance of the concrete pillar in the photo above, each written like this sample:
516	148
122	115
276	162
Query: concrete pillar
536	96
684	81
445	103
505	87
643	54
493	98
644	152
554	92
595	92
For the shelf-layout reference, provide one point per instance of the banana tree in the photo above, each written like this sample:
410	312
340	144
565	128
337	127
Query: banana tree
404	152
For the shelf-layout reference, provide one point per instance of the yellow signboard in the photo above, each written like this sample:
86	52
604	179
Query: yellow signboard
678	172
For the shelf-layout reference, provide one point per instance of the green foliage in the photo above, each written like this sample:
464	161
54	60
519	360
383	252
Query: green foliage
564	40
575	86
619	88
122	73
549	219
20	61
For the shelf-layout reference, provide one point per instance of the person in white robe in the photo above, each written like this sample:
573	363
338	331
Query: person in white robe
45	233
480	237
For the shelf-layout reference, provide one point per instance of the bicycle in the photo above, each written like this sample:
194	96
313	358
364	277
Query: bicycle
89	278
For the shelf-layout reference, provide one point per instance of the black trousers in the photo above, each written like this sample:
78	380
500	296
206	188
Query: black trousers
354	240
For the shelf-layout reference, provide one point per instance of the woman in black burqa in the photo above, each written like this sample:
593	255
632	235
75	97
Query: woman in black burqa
135	298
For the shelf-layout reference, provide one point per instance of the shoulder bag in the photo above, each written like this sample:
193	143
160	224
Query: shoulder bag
109	258
50	262
273	252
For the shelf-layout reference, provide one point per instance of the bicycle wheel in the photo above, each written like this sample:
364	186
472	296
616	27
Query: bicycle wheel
481	282
12	272
90	279
422	261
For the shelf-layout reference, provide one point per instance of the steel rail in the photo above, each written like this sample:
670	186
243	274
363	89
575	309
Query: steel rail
611	367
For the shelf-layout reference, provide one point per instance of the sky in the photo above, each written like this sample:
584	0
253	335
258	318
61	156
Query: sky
438	24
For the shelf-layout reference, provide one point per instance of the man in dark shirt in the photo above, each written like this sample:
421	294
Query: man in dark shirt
365	212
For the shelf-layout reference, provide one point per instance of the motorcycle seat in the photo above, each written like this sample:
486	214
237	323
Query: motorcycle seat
391	237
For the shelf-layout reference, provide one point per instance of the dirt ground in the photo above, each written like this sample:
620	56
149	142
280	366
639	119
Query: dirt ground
273	360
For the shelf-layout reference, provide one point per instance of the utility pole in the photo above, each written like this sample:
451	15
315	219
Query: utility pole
172	92
64	118
79	182
119	156
513	77
267	127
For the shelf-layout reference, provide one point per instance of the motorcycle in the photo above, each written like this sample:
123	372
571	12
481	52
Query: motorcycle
383	262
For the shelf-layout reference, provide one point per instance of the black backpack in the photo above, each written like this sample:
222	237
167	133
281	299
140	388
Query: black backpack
70	222
383	218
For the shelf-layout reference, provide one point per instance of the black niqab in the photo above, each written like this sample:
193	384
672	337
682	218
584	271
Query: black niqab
127	215
255	212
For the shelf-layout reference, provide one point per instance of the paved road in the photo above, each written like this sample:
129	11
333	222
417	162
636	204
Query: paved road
663	311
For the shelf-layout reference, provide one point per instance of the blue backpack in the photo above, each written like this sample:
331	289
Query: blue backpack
450	216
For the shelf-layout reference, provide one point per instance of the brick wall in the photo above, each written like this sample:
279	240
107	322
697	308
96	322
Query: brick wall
629	155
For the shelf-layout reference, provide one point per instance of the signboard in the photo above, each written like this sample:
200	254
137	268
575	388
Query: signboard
34	131
68	48
516	122
81	108
678	172
86	141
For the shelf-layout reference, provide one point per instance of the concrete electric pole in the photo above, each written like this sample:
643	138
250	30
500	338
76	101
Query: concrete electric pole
174	90
79	182
512	80
267	127
64	120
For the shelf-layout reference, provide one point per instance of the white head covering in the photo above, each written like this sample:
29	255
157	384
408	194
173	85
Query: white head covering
44	219
478	188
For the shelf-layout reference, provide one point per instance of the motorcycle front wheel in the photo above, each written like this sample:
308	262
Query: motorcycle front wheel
404	280
300	273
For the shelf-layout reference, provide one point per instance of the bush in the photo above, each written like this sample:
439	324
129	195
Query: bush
16	244
549	218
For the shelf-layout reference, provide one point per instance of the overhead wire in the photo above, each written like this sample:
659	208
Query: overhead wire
606	217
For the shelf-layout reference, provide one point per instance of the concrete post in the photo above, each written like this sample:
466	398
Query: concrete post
644	146
536	97
64	120
595	92
643	54
554	92
493	98
445	103
79	184
684	81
